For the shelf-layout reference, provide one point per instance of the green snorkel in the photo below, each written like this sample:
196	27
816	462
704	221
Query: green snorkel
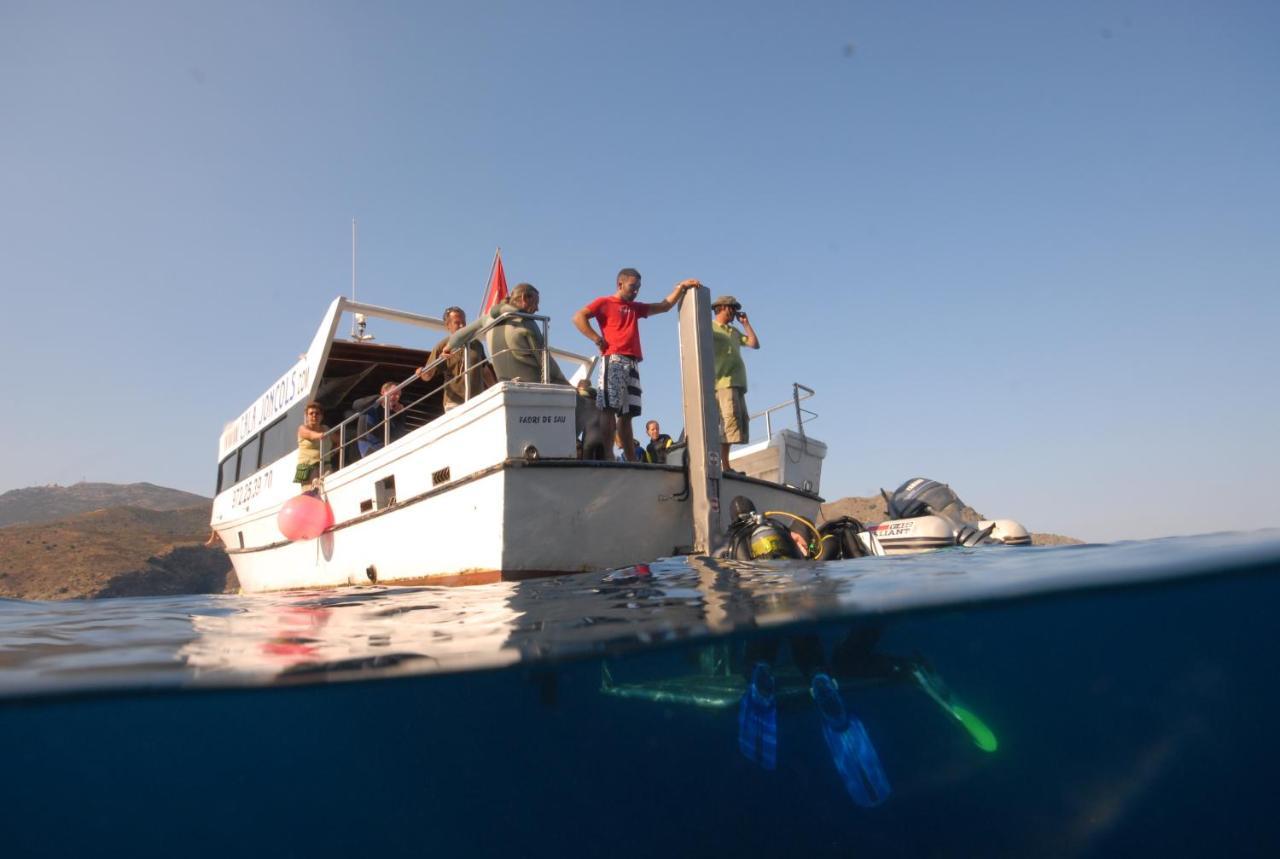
982	736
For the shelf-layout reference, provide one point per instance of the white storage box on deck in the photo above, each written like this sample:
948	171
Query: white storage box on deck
788	458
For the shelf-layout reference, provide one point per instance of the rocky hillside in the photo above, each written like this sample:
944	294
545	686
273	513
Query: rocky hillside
120	551
872	509
48	503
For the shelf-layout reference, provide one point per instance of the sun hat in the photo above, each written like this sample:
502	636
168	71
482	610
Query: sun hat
726	301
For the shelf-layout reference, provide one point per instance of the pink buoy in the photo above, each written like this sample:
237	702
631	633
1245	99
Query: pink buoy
304	517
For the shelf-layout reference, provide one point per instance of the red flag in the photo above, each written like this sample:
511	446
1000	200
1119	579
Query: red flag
497	289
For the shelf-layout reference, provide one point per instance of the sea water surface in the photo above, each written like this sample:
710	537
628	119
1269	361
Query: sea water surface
1127	692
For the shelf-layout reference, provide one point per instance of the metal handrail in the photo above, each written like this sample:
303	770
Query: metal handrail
795	400
385	425
494	323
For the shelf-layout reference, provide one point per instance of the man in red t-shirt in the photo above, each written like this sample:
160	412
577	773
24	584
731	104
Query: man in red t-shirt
618	385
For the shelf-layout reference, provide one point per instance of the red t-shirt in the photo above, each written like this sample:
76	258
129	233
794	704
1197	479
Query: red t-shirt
617	320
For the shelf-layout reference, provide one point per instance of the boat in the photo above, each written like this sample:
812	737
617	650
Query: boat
495	488
925	514
925	533
491	489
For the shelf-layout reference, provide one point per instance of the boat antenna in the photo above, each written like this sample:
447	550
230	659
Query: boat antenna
357	320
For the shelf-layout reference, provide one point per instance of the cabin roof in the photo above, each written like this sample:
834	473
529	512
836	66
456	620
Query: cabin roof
350	353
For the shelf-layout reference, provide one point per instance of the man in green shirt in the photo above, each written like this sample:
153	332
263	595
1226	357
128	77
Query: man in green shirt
731	373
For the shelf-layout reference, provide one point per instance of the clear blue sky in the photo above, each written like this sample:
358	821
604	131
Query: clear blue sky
1029	249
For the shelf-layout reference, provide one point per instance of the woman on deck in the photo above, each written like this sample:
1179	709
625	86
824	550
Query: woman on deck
310	435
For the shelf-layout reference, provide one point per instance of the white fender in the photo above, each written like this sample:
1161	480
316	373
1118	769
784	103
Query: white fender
1006	531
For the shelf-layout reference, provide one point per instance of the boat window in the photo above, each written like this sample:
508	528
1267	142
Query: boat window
385	491
227	473
249	457
281	436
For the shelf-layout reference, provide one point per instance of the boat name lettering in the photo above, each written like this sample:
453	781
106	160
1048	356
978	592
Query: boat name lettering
894	529
543	419
278	397
247	491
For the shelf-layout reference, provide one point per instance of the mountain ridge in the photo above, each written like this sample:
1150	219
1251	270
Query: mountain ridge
116	551
34	504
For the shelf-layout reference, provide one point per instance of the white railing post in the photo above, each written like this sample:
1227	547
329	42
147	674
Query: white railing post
466	371
546	351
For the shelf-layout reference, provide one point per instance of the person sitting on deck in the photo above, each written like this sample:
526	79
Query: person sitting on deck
636	453
453	368
516	344
310	435
656	449
374	412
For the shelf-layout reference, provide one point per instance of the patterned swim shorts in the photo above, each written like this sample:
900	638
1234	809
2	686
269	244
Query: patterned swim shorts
618	385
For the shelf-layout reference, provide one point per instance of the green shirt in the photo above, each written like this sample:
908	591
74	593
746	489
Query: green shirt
727	343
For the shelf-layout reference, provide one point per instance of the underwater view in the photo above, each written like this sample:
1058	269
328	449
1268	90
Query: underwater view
1077	701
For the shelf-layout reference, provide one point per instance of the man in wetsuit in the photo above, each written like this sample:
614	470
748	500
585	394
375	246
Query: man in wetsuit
656	449
516	345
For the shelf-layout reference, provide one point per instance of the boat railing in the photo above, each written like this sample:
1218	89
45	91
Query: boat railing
802	414
348	431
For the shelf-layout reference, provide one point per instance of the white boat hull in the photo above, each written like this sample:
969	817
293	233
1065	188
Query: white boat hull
929	533
515	521
471	504
908	536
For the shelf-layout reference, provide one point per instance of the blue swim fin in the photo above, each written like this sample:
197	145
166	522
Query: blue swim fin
851	750
758	719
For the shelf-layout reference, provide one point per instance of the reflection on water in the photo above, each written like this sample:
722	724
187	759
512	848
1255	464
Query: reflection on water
365	632
939	705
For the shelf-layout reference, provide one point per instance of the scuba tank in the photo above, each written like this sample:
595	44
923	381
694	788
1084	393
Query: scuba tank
839	539
753	537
